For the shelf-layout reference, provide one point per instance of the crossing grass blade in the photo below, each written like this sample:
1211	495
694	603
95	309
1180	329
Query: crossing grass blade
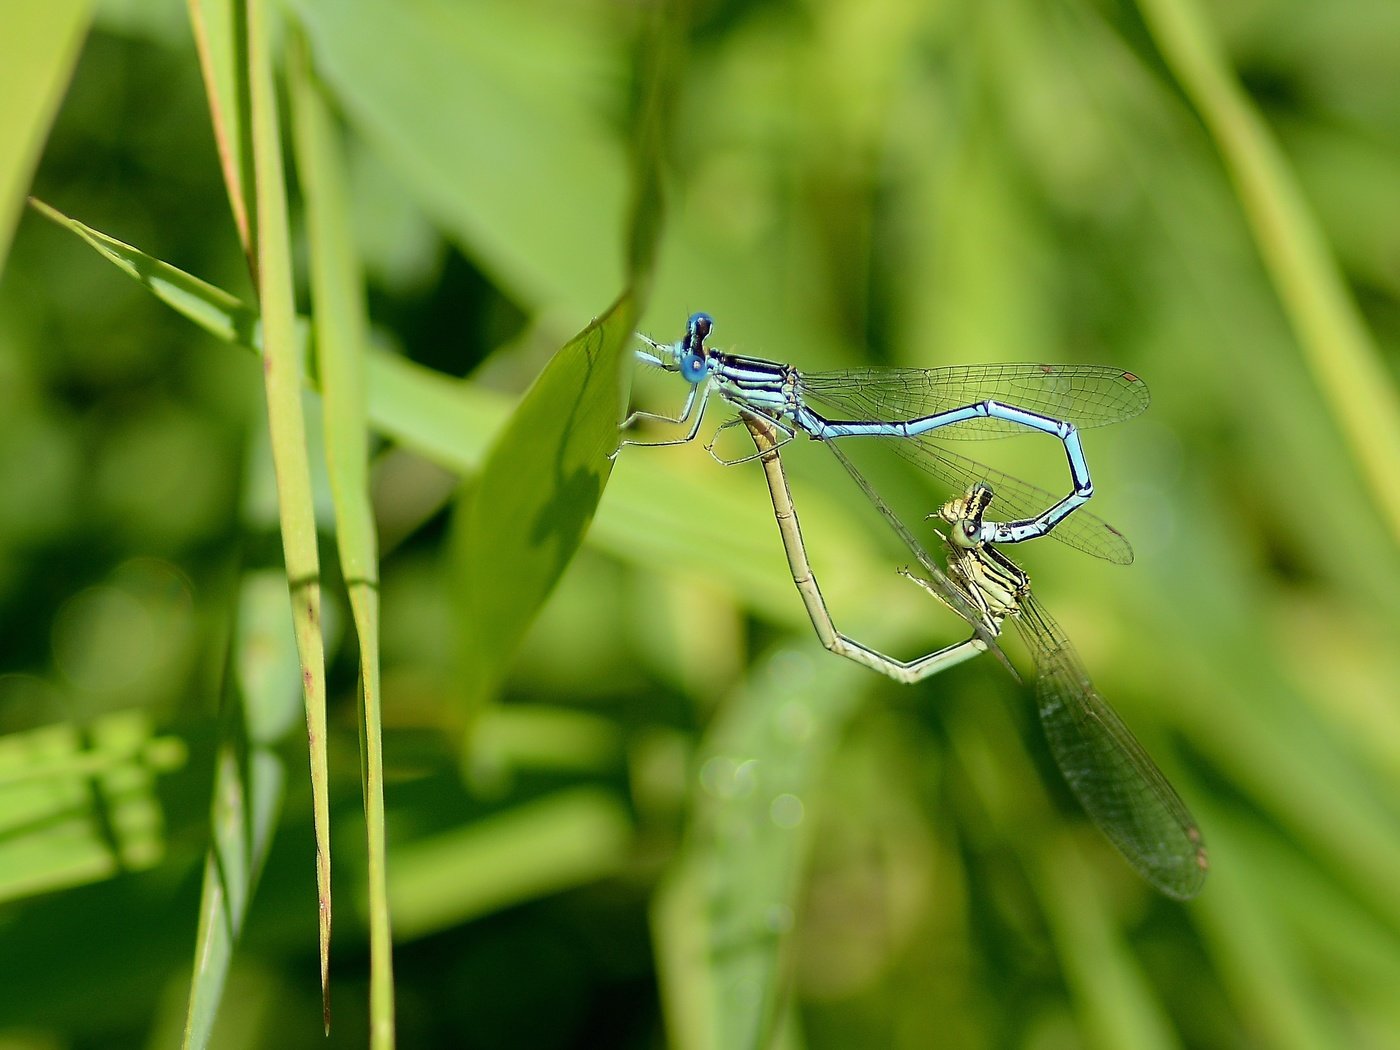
454	424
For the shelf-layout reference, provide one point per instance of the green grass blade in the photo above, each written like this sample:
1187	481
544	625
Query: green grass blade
1339	349
738	878
282	376
38	47
341	324
569	838
1110	989
221	39
222	315
249	779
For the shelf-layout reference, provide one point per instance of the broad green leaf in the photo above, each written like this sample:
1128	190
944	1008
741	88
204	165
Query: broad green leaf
513	170
537	494
38	46
527	169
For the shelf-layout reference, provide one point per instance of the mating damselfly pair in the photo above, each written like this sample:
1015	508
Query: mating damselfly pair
1117	783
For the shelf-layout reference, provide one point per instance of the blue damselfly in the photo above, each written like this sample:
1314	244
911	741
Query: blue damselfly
907	405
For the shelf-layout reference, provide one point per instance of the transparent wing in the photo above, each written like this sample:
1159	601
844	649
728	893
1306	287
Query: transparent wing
1085	395
952	596
1015	498
1118	785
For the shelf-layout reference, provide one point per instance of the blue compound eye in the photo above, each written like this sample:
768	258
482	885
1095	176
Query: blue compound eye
693	367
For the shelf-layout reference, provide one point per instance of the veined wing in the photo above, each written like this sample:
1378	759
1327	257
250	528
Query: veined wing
1085	395
1015	499
1118	785
935	577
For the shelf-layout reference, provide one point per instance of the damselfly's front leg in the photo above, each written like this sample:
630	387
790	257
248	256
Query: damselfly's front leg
697	394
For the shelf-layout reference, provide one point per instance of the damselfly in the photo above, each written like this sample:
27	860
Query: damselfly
909	404
1116	782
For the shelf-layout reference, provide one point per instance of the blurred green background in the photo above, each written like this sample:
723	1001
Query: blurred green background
682	823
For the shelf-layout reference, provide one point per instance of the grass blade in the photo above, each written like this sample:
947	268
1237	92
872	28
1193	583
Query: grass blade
221	38
727	909
340	321
249	780
1339	349
282	376
222	315
1114	996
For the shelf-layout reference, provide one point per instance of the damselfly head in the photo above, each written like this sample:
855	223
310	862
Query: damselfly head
691	353
697	330
964	515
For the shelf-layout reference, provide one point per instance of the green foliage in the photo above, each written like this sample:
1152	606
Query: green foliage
36	57
538	488
677	819
264	700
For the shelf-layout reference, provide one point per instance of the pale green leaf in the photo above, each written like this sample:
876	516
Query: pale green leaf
38	46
